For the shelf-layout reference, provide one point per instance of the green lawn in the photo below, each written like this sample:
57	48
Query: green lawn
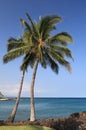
24	128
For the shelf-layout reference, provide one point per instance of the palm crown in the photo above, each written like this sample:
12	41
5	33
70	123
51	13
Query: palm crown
37	43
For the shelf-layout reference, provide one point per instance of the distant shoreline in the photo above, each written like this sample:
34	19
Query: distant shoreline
3	99
6	99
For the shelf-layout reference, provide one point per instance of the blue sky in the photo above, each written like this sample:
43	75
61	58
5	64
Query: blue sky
47	83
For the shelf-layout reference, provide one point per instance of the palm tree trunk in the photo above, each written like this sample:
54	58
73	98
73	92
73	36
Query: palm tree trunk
12	116
32	105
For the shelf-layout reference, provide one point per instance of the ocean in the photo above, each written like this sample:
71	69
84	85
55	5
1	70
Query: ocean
44	107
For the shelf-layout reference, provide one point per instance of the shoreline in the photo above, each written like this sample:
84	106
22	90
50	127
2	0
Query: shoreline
6	99
76	121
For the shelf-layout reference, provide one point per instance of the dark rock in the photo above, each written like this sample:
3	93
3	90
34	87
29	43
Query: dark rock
76	121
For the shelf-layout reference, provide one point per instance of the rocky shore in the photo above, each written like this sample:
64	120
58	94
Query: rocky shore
76	121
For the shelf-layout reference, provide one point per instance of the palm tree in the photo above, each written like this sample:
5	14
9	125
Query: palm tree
47	50
14	47
39	46
13	44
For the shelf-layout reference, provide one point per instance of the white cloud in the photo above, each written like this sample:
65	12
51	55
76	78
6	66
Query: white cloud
8	90
11	90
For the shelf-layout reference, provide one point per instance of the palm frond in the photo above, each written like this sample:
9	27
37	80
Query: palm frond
28	60
28	39
11	55
51	62
58	57
13	44
32	23
61	38
64	36
41	57
61	49
26	25
36	25
47	24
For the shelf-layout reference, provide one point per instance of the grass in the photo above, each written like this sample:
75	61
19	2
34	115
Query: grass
24	128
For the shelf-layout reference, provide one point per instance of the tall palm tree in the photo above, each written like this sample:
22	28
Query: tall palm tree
48	50
39	46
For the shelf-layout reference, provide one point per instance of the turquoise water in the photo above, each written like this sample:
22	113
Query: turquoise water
44	107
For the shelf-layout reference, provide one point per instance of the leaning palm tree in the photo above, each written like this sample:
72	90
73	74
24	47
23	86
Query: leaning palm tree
47	49
13	44
14	49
